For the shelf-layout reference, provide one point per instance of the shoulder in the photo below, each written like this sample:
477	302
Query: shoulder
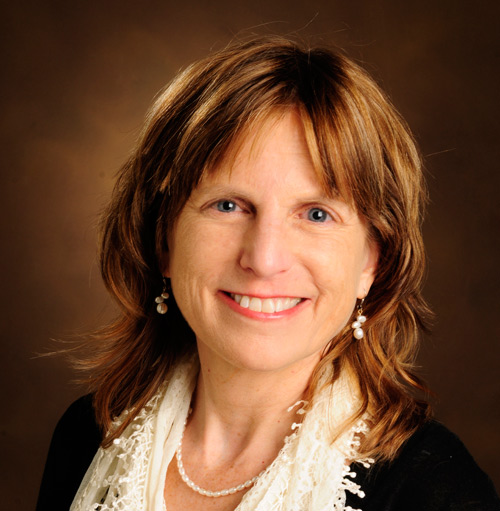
74	444
434	471
77	431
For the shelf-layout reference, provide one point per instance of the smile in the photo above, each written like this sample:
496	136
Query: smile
266	305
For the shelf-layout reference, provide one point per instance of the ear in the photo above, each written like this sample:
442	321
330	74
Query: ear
165	265
369	269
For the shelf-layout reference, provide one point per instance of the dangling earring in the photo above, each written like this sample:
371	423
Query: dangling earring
162	307
358	324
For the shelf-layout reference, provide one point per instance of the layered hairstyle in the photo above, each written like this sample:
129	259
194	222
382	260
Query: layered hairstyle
362	150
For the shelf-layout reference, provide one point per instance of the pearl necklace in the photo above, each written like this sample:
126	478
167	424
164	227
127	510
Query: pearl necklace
203	491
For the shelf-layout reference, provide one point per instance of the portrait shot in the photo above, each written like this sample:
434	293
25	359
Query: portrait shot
250	256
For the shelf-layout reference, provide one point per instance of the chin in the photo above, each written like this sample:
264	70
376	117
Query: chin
267	359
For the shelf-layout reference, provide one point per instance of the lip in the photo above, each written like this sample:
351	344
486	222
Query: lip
226	298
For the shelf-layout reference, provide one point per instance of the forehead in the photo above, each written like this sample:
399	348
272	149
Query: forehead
272	139
271	164
276	140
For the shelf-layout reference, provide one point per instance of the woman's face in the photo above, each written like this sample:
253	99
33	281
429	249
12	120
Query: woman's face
264	266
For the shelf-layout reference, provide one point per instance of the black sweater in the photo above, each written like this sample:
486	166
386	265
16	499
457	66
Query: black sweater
433	472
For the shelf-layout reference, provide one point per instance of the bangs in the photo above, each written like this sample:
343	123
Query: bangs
335	179
355	139
330	168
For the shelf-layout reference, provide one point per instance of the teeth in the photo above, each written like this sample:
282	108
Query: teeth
267	305
255	304
279	305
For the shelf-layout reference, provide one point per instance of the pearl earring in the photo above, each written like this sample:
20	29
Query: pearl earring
162	307
358	324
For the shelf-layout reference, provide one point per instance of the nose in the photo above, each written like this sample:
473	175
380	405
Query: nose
267	248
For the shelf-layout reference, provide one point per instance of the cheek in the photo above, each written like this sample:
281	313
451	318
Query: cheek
183	265
340	263
340	276
195	260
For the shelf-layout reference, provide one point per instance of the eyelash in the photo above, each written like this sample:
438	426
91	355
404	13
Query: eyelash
325	216
218	205
234	206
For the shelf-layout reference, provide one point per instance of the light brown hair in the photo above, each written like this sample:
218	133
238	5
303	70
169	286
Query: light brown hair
361	148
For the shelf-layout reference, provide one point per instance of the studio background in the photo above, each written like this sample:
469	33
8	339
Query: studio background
78	77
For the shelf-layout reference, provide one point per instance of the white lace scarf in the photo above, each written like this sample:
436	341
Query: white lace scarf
309	473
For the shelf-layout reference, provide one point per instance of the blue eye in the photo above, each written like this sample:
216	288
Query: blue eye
226	206
318	215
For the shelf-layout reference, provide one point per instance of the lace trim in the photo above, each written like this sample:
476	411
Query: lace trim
127	460
309	472
119	476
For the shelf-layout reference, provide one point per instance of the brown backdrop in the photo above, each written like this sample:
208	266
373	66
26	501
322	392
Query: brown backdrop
77	79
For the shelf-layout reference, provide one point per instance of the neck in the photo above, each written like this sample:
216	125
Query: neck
236	409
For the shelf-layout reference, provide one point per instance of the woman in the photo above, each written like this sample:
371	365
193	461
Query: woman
264	245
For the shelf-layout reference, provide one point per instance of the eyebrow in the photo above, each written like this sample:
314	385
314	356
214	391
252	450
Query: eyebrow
230	191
